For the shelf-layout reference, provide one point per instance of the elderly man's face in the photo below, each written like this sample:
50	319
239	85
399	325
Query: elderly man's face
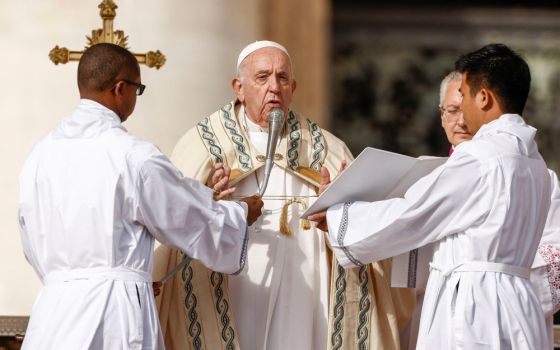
266	82
452	115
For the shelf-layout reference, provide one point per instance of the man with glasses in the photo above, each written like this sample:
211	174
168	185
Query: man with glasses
139	87
450	108
92	200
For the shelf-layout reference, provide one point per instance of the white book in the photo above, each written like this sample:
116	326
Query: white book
373	176
377	175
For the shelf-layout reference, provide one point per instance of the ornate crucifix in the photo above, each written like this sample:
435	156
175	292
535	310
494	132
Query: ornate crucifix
107	35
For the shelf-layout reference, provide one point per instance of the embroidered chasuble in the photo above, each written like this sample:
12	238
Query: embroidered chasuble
292	294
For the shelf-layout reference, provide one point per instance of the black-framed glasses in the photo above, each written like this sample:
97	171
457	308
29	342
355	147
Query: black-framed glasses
139	87
451	113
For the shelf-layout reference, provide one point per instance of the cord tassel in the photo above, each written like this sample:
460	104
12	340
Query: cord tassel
284	227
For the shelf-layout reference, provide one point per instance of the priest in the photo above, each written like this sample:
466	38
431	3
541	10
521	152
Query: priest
282	299
485	208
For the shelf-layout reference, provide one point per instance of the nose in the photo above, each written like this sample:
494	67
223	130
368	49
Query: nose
274	84
461	119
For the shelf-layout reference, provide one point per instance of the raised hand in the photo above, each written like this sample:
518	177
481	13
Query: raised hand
321	217
326	176
255	204
218	181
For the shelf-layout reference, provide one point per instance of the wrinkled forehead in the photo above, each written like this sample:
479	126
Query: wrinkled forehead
267	58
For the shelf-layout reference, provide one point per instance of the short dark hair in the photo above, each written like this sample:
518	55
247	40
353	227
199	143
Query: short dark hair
103	64
496	67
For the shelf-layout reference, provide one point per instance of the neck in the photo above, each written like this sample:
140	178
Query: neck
102	99
248	123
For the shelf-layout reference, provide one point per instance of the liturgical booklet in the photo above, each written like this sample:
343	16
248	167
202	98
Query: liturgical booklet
373	176
377	175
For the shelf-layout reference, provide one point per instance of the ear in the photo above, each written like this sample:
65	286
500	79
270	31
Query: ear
294	85
119	88
484	99
238	88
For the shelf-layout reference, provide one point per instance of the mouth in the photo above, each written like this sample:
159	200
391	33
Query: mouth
274	103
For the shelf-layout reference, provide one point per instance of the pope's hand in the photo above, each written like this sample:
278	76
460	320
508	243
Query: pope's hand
321	219
218	181
255	204
326	176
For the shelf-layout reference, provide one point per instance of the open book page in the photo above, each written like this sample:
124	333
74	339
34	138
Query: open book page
377	175
370	177
373	176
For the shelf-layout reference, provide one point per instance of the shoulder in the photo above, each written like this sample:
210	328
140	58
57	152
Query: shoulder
480	149
32	159
138	152
315	128
335	150
203	128
194	140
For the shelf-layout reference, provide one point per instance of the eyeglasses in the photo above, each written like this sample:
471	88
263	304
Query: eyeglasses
139	87
451	113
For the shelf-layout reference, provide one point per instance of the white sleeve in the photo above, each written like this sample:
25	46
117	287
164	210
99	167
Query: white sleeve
439	204
180	212
551	233
545	272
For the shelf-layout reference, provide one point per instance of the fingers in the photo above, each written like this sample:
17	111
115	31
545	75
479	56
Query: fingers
325	176
254	205
227	171
319	216
157	288
217	176
220	184
225	194
218	180
320	219
342	167
217	173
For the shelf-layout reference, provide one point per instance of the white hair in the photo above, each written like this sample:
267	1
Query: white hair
453	76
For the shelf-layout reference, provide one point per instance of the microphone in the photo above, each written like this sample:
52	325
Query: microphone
275	124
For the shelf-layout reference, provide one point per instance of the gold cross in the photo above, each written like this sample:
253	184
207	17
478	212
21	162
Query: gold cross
106	35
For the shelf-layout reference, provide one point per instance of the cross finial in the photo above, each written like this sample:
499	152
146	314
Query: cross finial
107	8
107	11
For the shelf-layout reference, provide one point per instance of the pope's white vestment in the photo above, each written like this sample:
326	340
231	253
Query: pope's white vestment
288	296
92	200
485	208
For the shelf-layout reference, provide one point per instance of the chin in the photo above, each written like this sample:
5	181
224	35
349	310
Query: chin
459	139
